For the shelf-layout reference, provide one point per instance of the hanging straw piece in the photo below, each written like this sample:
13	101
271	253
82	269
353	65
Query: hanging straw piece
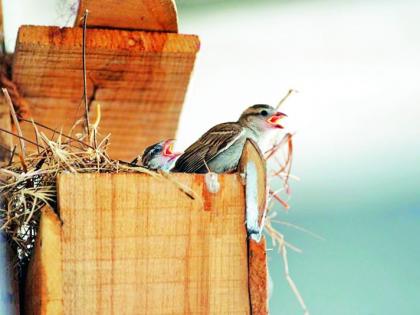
278	238
95	126
19	131
85	97
285	98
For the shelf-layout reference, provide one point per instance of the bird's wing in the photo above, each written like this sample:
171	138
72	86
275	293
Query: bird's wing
211	144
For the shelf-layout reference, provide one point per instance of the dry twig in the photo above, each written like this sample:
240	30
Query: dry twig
85	96
16	123
278	239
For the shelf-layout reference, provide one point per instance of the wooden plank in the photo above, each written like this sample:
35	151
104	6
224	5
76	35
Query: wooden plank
49	53
251	153
152	15
127	250
44	291
252	166
258	288
132	74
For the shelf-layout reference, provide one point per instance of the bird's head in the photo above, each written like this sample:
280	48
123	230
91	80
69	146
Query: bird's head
160	155
262	117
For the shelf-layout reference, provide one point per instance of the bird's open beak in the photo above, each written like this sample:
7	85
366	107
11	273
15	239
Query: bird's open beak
275	120
168	149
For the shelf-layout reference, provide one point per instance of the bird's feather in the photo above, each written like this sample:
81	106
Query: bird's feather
210	145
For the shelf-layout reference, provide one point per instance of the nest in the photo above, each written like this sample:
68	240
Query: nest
27	185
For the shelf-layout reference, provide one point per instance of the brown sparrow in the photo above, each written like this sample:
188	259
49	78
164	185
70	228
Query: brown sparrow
220	148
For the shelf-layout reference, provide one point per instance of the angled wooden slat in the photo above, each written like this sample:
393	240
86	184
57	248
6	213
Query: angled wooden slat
133	75
152	15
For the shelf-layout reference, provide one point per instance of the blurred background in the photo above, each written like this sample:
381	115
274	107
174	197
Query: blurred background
356	65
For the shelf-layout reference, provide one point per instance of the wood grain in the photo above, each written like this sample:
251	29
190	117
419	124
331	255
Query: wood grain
151	15
258	288
133	244
139	78
44	291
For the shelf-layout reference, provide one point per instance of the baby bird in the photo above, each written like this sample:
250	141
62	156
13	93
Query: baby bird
159	156
220	148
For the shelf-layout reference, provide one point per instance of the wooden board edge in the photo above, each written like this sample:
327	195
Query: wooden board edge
44	281
252	153
258	277
153	15
39	37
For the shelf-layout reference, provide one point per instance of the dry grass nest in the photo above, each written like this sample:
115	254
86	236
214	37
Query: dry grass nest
28	183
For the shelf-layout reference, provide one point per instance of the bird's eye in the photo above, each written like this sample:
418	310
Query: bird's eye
264	113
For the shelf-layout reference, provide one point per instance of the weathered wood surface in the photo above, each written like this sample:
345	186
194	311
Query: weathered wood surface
151	15
258	276
139	78
127	250
44	285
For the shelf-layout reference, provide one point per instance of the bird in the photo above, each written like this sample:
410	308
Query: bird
220	148
159	156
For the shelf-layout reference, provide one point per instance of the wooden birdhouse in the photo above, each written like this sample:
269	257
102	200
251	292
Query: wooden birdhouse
133	243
